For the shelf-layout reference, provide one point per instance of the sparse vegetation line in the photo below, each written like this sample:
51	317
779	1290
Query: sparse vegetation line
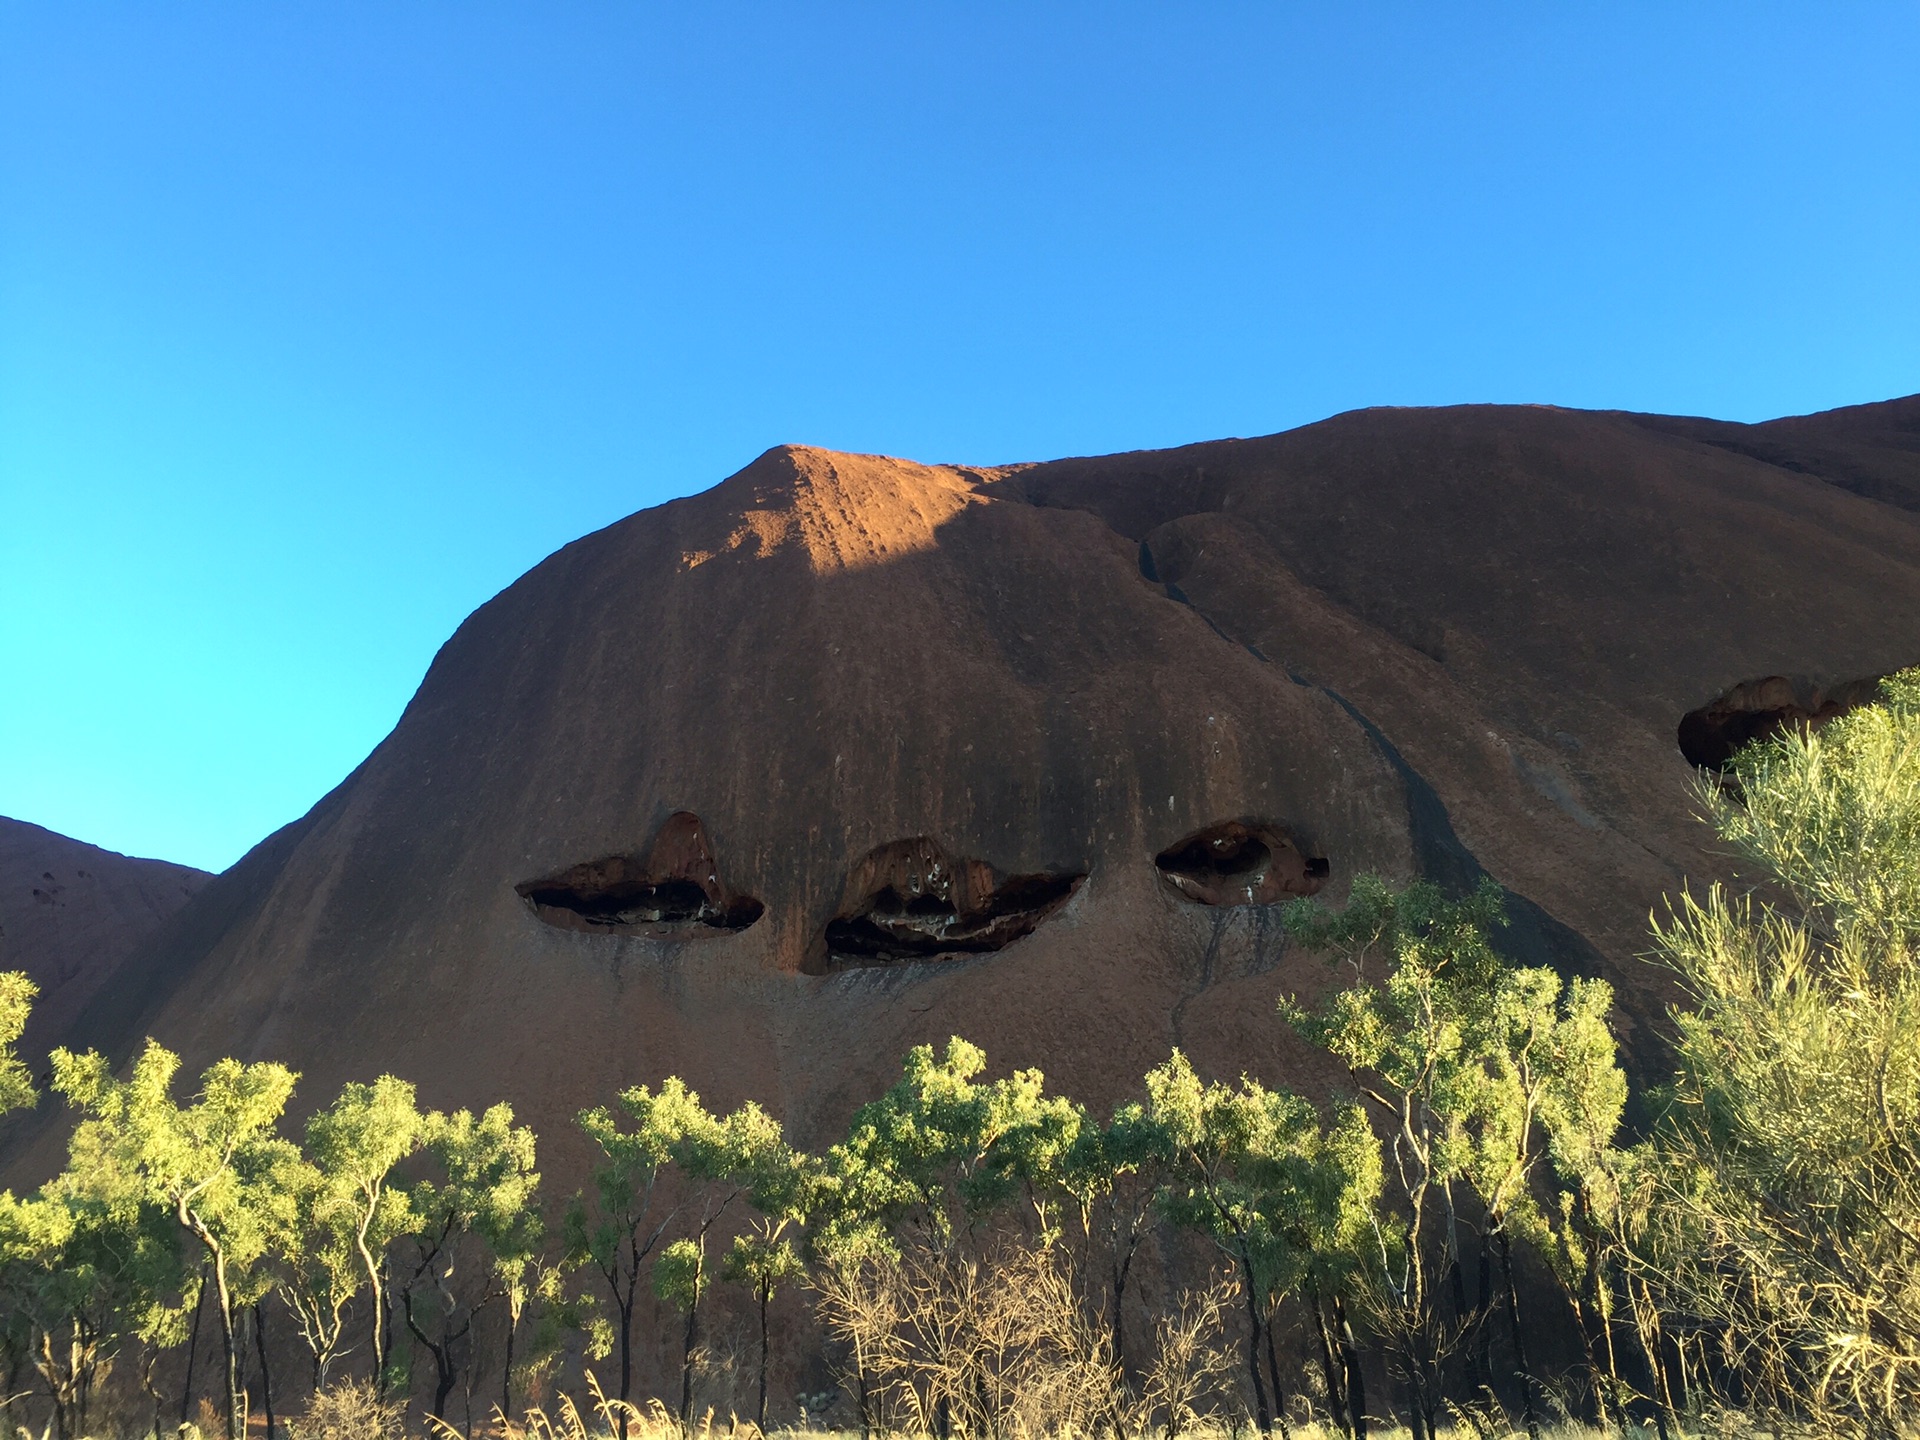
972	1249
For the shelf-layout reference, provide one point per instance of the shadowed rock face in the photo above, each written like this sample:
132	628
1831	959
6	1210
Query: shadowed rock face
911	705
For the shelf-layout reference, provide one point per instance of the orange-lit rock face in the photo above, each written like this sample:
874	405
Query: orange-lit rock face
1240	863
675	892
907	900
1760	709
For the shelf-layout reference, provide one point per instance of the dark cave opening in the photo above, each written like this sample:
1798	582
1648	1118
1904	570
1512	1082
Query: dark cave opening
1240	862
674	892
1760	709
907	901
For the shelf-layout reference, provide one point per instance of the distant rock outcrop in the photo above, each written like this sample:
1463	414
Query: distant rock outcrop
767	784
71	914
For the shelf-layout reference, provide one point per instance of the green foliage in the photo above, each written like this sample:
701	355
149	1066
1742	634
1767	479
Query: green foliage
616	1227
1477	1071
343	1214
1787	1194
473	1232
762	1263
17	994
1774	1208
1257	1171
680	1274
939	1151
217	1165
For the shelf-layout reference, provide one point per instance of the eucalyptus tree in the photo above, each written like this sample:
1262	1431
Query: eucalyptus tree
902	1209
354	1146
342	1212
81	1275
615	1226
681	1278
17	994
1421	966
1547	1077
1789	1150
1258	1172
469	1230
1111	1175
783	1189
722	1160
939	1152
212	1165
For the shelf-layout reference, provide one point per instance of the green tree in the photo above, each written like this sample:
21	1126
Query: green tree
1788	1155
82	1274
921	1175
1547	1071
1582	1235
481	1218
616	1226
720	1160
1111	1175
1256	1171
782	1186
320	1273
680	1278
17	993
939	1152
1422	966
342	1213
210	1164
355	1144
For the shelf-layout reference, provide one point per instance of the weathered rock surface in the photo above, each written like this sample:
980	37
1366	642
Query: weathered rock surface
70	916
912	705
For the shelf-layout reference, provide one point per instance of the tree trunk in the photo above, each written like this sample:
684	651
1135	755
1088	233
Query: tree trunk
760	1415
1519	1340
193	1348
382	1341
1483	1351
236	1392
445	1373
146	1384
1263	1413
506	1370
626	1344
1350	1363
266	1381
686	1366
1336	1400
1279	1391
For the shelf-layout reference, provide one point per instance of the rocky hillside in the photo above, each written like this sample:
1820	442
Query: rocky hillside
70	916
764	785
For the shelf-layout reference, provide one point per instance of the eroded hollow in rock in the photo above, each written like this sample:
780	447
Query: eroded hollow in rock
673	892
1759	709
1240	862
908	900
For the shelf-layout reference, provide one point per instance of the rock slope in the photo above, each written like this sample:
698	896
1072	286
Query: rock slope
765	785
70	916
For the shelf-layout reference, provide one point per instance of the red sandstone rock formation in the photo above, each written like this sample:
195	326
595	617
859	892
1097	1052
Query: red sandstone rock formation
913	705
71	914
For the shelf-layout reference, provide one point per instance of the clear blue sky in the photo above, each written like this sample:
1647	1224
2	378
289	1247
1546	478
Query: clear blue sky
320	322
